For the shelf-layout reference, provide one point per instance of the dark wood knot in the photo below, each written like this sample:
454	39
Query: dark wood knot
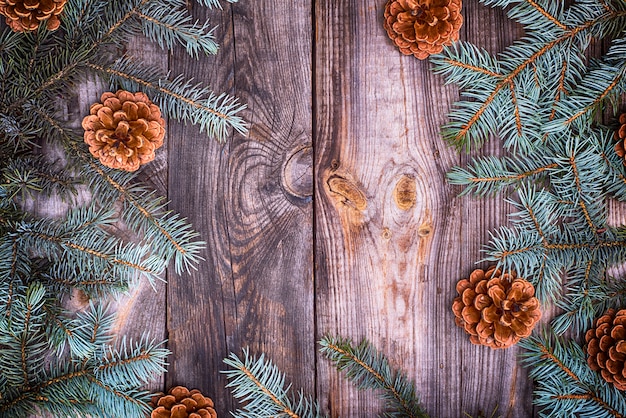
298	172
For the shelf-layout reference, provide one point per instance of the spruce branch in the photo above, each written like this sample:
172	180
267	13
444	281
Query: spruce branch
491	175
169	26
589	293
214	3
566	386
21	338
132	364
120	24
604	82
168	235
31	175
61	279
178	98
53	361
90	246
500	95
369	369
93	378
261	385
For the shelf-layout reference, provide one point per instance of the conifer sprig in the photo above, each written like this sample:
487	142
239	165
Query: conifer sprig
566	387
51	360
508	93
168	235
178	98
93	378
169	28
543	98
259	384
213	3
369	369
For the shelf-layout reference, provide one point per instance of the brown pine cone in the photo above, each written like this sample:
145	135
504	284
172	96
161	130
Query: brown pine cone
606	347
182	403
497	310
620	135
124	130
422	27
27	15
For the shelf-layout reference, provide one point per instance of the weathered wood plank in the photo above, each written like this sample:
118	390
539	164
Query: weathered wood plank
251	201
387	262
141	312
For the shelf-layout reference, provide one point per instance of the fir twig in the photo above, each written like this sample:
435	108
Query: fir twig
261	385
496	109
566	386
178	98
98	380
369	369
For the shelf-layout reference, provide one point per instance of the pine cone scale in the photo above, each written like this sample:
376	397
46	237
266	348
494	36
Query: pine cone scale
27	15
503	334
605	342
468	296
618	332
490	314
470	314
167	401
481	302
462	285
615	355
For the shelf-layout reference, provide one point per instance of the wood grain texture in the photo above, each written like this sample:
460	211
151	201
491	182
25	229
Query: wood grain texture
392	238
251	201
141	311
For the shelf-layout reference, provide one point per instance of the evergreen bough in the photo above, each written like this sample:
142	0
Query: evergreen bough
369	369
51	359
543	98
259	384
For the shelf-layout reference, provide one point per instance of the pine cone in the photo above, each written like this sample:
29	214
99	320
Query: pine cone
182	403
496	310
27	15
124	130
606	347
422	27
620	135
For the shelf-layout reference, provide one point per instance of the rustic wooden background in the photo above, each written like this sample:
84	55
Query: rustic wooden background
332	216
